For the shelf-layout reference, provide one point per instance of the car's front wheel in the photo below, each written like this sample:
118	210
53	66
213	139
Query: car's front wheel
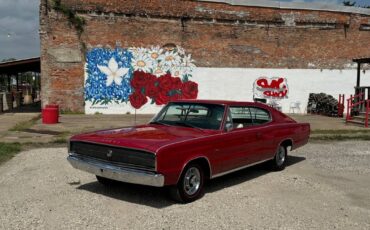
279	161
190	186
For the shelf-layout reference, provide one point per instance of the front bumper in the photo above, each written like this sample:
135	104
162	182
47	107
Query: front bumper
114	172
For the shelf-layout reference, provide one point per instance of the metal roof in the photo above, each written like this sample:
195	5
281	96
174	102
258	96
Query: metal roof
362	60
19	66
295	5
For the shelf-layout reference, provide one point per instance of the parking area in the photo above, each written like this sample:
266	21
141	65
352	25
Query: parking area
325	186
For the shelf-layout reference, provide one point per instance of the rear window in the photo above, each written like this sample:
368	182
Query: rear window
243	116
260	116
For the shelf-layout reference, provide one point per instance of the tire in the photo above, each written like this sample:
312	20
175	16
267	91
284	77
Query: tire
105	181
190	186
279	161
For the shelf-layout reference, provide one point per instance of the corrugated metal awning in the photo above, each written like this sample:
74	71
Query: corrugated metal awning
19	66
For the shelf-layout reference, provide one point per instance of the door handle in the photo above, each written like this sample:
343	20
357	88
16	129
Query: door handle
258	135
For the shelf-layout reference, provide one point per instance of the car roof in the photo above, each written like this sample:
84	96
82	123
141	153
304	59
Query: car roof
222	102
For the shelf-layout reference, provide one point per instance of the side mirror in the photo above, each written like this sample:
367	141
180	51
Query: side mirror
229	127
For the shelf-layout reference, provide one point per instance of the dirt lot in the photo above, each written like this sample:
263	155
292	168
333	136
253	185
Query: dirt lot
325	186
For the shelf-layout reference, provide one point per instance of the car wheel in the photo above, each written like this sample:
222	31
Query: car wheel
106	181
279	161
190	186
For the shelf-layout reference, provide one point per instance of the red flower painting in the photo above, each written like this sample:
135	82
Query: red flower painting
137	100
160	90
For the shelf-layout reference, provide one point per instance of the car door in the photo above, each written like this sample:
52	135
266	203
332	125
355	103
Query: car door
236	144
264	144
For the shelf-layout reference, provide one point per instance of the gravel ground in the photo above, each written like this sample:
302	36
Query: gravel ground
325	186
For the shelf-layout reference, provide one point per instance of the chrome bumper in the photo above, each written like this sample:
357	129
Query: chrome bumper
114	172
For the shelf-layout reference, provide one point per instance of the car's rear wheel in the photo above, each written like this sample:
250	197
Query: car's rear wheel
106	181
279	161
190	186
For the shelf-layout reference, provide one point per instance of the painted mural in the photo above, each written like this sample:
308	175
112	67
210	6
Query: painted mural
275	88
138	76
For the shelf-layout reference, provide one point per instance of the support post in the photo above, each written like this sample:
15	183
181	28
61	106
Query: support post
358	76
367	114
348	108
8	76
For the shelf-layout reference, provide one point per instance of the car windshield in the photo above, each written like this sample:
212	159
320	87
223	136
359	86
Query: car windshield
203	116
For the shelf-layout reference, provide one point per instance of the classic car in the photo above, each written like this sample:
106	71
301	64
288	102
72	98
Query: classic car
187	143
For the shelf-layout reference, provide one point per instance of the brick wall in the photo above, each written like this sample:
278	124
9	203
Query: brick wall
217	35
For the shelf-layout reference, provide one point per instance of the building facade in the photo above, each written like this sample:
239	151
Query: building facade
118	56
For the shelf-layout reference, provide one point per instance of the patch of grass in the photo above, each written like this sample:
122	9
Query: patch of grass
340	137
60	140
8	150
21	126
340	131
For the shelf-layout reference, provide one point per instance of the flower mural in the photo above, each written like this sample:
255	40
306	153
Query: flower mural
139	76
114	74
108	75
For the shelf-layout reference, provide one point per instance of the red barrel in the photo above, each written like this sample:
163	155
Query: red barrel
50	115
55	106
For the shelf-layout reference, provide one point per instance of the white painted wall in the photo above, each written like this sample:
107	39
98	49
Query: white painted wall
237	84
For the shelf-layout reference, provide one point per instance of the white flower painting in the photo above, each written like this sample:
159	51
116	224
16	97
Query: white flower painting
159	61
142	62
114	74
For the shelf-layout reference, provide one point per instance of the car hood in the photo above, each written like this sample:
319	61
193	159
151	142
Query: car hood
146	137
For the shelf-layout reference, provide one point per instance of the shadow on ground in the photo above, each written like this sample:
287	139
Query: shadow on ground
159	197
245	175
31	108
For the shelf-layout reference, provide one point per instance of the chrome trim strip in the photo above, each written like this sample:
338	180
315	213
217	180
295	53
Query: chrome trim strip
240	168
113	172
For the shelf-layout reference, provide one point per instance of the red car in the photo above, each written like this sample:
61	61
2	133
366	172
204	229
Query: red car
188	142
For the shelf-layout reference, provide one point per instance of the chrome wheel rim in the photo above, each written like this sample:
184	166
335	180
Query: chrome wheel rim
192	181
280	156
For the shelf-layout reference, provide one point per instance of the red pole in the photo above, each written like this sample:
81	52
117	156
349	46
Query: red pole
340	99
349	108
347	117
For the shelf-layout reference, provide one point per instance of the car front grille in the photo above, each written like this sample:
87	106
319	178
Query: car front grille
131	158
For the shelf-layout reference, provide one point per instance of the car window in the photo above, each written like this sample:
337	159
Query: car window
205	116
260	116
244	116
241	117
